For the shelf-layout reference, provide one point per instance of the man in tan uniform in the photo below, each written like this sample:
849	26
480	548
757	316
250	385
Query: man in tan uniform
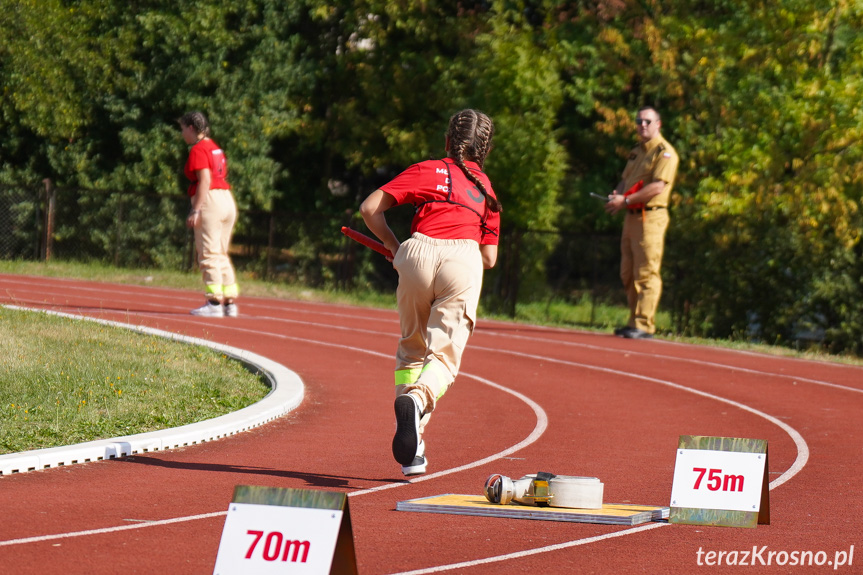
643	193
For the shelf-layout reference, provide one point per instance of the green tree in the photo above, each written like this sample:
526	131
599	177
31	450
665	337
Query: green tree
775	145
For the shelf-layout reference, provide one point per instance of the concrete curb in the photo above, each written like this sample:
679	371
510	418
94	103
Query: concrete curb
286	394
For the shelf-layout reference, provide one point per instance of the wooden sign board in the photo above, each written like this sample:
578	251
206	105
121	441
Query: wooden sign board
720	481
275	530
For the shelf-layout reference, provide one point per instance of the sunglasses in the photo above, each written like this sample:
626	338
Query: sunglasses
640	121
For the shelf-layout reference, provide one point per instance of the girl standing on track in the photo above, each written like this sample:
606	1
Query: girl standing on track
454	236
212	216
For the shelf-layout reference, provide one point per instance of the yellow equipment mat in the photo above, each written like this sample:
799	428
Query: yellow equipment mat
611	513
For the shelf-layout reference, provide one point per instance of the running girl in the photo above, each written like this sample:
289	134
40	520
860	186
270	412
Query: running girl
454	236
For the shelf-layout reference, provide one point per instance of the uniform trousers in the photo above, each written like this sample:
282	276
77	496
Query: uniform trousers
212	240
641	247
438	294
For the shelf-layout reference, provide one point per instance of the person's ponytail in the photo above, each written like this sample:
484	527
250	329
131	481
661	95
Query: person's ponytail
470	135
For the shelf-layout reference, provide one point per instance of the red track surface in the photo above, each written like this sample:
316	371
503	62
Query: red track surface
615	409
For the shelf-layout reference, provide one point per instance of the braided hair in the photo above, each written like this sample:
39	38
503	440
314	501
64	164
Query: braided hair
198	121
469	134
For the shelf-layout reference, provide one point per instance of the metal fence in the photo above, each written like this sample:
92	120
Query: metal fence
20	222
141	229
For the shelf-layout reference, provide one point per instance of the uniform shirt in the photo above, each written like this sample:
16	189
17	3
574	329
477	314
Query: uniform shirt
650	161
426	185
206	154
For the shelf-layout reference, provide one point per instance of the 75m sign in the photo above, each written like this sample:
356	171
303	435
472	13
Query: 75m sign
725	480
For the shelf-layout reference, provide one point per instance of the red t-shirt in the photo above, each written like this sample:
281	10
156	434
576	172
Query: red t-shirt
442	215
206	154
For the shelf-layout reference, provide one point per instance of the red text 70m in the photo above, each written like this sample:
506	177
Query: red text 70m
272	547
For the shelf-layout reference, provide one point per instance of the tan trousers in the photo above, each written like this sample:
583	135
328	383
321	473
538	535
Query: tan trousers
212	240
438	295
641	247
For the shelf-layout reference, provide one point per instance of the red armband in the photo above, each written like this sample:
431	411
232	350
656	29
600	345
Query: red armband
635	187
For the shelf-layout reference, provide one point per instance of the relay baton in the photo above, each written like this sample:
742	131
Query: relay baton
598	197
366	241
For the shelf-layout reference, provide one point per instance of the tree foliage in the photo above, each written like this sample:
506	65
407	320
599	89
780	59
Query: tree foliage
760	98
772	133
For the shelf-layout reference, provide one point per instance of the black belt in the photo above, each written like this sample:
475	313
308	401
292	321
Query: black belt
648	209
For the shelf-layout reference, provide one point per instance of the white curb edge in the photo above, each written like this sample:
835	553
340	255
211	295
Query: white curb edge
286	394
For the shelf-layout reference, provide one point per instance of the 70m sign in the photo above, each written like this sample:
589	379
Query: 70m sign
273	539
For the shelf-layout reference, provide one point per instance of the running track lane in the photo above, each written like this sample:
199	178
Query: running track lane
614	410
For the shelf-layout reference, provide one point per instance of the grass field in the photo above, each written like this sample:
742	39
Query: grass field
66	381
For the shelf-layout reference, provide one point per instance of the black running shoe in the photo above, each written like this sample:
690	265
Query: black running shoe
407	437
637	334
623	330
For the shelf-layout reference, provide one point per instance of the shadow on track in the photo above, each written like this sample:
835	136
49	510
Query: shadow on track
312	479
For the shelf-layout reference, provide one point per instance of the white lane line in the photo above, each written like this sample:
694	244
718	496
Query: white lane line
508	335
583	346
688	360
292	306
755	354
796	437
41	538
536	551
592	348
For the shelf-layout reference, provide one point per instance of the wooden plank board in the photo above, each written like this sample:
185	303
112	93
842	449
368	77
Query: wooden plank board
611	513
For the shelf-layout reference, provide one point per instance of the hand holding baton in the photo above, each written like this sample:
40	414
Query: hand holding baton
637	186
367	241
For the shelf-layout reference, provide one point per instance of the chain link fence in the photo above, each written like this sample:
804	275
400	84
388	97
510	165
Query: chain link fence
20	222
146	230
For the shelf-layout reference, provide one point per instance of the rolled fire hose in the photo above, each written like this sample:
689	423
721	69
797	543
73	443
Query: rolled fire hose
546	489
